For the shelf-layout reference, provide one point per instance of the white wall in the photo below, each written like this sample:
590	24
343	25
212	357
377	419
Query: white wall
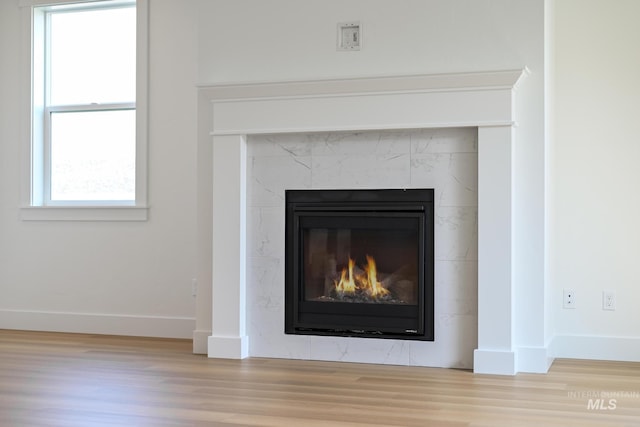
125	278
145	269
595	176
255	40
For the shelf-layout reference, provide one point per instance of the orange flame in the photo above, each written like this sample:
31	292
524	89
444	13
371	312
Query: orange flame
349	282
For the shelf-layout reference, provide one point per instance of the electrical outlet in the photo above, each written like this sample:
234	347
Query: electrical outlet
608	300
569	299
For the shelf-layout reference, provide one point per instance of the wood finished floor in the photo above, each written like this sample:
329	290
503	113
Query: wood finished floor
49	379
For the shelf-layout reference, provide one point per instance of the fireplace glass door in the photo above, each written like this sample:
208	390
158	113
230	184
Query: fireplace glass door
360	263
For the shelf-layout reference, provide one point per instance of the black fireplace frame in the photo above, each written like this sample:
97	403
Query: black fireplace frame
412	322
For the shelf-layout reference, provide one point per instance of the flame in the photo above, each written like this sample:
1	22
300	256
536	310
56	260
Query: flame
350	283
375	287
347	285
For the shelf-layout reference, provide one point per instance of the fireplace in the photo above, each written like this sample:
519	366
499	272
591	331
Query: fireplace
360	263
240	257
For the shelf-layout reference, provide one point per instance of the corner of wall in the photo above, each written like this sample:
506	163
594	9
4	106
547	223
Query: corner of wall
201	341
494	362
536	360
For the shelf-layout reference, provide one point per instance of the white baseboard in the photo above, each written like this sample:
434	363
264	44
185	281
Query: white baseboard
92	323
596	348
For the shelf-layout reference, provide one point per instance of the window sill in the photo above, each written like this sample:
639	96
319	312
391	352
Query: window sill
84	213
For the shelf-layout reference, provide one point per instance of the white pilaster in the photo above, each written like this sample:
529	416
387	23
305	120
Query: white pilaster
495	353
229	338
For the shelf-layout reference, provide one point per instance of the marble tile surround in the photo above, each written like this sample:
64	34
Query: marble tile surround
443	159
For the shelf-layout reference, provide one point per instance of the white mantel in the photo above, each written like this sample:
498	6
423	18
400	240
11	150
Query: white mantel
482	100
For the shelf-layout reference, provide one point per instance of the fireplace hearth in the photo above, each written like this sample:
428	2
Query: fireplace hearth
360	263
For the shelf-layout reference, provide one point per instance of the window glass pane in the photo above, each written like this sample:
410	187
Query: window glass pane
93	56
93	155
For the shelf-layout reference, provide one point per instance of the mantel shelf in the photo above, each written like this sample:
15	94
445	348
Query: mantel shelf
368	85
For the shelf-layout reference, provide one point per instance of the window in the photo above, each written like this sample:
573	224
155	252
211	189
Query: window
87	110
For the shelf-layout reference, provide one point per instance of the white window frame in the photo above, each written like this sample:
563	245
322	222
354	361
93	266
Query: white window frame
35	176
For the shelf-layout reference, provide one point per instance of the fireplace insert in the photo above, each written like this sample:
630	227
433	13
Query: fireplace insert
360	263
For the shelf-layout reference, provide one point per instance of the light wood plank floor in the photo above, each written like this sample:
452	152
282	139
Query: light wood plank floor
49	379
